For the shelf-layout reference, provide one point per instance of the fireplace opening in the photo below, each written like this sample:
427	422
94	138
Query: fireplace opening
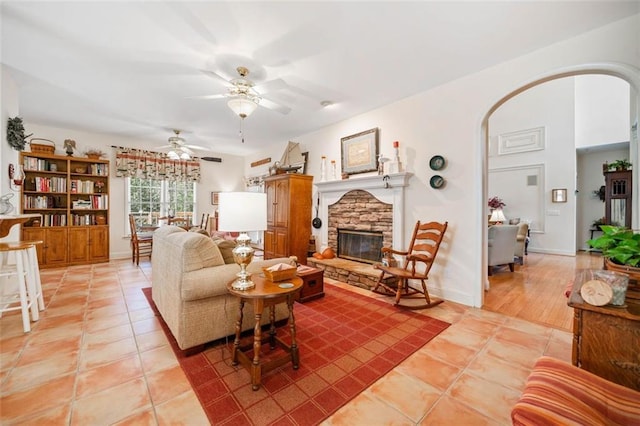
361	246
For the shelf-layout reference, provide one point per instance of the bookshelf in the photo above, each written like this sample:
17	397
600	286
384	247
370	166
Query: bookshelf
71	195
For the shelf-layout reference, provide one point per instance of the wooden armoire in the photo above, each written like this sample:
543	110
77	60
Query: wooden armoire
288	216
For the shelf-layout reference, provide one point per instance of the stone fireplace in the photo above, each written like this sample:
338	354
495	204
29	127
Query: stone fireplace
370	204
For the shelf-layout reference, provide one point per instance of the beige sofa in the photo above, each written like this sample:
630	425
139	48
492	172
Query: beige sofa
189	287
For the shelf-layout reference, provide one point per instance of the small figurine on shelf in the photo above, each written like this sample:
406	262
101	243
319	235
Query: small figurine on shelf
69	146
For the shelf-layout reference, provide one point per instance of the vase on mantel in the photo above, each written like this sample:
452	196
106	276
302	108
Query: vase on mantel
323	169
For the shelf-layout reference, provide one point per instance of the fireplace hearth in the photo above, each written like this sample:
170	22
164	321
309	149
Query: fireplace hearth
361	246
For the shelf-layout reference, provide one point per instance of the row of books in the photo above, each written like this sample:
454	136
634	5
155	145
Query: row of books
40	164
99	169
95	202
84	219
44	165
54	219
44	202
48	184
85	186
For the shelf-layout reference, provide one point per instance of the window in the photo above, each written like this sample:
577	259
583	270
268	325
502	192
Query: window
150	199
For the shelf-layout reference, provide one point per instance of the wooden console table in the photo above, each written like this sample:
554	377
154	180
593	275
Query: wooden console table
265	294
606	339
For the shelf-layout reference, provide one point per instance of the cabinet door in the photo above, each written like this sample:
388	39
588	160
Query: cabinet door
36	234
78	239
282	242
282	203
99	243
55	251
271	203
269	243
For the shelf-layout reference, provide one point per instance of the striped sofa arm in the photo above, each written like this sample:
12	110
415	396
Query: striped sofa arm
558	393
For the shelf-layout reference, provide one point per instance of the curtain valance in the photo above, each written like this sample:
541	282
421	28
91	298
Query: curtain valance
142	164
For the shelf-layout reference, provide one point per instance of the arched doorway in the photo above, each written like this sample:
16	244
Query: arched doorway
625	72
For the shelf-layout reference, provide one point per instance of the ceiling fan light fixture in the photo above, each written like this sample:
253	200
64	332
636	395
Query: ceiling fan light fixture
242	106
185	156
173	155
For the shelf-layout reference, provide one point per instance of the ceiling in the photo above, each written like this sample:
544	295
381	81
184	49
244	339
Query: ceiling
132	69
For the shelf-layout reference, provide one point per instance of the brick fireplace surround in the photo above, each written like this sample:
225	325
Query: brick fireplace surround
370	203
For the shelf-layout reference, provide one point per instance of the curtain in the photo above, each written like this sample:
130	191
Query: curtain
155	165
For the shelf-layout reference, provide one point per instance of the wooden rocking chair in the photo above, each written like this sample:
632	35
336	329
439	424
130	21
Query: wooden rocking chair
423	248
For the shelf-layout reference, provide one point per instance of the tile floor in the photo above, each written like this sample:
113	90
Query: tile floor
98	356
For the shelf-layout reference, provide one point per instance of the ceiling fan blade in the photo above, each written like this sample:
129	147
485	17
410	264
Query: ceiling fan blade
213	159
198	147
217	76
164	146
187	150
274	106
220	96
270	86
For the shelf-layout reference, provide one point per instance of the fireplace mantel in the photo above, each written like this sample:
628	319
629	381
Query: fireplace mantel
388	189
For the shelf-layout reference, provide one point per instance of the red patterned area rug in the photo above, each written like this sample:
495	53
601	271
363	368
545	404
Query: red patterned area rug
347	341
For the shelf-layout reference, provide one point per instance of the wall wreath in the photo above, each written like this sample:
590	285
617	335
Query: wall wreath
15	134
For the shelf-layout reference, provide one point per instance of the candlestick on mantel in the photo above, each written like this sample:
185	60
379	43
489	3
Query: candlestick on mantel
395	166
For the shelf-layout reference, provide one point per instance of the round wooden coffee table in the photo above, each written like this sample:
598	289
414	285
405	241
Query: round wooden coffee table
266	294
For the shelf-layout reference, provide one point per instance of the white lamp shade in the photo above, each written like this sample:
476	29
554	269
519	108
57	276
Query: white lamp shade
497	216
242	106
242	211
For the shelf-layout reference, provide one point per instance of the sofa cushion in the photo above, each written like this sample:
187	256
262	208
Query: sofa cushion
226	248
198	251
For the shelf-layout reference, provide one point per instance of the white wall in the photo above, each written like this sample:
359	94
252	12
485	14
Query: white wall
551	106
9	108
225	176
447	121
602	110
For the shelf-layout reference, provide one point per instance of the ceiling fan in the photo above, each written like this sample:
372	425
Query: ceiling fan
179	149
244	96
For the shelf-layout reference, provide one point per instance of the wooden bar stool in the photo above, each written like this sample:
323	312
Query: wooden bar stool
29	289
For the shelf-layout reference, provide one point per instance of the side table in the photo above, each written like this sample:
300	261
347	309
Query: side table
605	338
265	294
313	283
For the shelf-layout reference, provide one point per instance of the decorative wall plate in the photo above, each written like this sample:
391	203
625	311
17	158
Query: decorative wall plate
437	162
436	181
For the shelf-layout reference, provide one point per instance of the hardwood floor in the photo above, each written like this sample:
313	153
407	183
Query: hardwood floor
535	291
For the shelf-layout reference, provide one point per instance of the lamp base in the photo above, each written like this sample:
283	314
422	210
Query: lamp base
243	255
243	283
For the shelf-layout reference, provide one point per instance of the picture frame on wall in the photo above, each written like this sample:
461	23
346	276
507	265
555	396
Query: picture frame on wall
559	195
214	198
360	152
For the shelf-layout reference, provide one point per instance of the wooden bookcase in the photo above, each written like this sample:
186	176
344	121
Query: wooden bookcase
288	216
72	197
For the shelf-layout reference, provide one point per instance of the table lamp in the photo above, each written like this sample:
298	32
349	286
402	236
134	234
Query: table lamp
497	216
242	212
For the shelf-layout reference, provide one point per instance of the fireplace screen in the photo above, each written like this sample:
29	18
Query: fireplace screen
361	246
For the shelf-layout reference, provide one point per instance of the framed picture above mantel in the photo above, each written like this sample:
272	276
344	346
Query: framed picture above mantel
360	152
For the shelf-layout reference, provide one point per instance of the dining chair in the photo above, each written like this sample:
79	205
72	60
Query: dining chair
141	242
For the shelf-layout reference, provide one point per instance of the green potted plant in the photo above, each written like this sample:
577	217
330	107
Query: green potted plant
620	165
621	249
